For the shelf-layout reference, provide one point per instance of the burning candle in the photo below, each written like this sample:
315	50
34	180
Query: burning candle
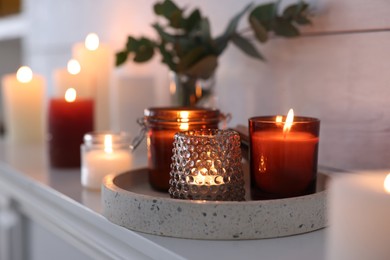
97	59
24	102
162	124
283	156
359	213
206	165
104	153
72	76
69	119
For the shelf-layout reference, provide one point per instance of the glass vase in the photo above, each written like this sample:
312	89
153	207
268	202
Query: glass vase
191	91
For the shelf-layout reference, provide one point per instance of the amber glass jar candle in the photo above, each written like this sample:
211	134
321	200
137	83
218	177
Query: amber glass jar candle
162	124
283	156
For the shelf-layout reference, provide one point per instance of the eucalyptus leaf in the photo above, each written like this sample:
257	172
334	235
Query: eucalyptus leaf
132	44
220	43
260	31
145	51
285	28
121	57
167	58
204	30
166	8
302	20
164	35
232	26
264	13
191	58
193	20
294	10
204	68
246	46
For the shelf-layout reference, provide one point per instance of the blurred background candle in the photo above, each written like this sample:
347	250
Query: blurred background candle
161	125
283	156
72	76
24	103
97	59
69	119
103	153
359	213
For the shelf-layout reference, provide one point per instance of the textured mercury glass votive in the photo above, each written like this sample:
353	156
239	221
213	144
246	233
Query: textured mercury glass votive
206	165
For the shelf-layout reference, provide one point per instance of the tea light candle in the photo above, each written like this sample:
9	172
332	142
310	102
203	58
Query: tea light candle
69	119
97	59
24	102
101	158
75	77
283	156
359	213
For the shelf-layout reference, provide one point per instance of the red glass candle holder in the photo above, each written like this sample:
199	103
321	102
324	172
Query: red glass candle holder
162	124
283	162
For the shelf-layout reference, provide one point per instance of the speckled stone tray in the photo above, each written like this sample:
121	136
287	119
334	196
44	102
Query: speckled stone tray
129	201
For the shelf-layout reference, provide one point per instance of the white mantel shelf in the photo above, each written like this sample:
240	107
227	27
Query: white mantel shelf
55	199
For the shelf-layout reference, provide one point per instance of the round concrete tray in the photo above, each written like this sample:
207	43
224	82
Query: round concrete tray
129	201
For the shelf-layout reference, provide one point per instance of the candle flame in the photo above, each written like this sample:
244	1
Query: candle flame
279	119
74	67
108	143
184	120
386	183
70	95
209	180
24	74
92	42
289	121
198	90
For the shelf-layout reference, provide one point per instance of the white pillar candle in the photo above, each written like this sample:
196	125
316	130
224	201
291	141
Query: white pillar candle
98	161
359	217
73	76
24	103
98	61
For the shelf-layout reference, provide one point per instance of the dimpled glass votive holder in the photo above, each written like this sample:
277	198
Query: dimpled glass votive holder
206	165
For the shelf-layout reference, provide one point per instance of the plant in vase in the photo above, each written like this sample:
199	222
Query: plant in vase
190	51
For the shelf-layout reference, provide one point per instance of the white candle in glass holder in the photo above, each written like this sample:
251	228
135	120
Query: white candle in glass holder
97	59
99	160
24	106
359	217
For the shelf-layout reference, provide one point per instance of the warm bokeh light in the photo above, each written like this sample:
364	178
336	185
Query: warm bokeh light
74	67
184	119
386	183
24	74
279	119
289	121
108	143
70	95
92	42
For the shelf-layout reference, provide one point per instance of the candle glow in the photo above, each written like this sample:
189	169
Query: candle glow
92	42
386	183
73	67
184	119
24	74
70	95
108	143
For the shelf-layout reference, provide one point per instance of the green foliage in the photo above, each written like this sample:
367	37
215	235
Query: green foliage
187	46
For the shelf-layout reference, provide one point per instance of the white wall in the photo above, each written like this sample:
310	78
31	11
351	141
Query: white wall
342	79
